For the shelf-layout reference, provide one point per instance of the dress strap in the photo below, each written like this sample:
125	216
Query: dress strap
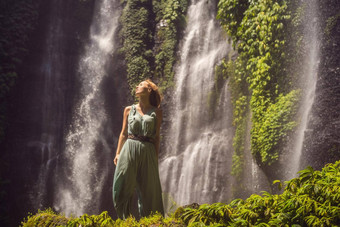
133	109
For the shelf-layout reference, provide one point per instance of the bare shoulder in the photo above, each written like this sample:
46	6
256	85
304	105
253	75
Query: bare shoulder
127	110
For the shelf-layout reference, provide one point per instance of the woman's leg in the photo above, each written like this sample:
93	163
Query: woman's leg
149	186
124	183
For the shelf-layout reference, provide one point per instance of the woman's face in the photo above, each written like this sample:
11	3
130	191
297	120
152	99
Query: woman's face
142	89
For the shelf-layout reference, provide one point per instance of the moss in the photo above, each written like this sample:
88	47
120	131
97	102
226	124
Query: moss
137	39
173	22
150	50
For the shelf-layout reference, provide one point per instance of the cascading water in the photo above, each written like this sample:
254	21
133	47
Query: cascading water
309	78
253	177
198	146
52	96
196	166
84	148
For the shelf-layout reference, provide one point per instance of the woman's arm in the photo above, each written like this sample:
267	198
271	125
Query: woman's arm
123	134
159	117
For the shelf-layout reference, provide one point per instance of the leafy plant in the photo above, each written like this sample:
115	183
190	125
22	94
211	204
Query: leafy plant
261	80
45	218
312	199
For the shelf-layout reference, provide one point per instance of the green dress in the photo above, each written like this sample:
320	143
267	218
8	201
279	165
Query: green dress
137	168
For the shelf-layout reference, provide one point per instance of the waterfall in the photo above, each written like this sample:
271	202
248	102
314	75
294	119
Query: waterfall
308	79
81	191
198	146
52	105
253	177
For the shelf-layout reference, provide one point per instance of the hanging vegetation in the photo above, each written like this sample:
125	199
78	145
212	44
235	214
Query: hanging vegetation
137	39
171	24
149	49
258	30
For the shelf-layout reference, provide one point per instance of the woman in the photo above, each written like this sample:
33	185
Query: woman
137	155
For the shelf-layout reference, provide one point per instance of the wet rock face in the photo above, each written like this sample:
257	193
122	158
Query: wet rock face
322	143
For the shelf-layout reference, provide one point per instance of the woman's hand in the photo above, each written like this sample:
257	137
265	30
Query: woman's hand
116	159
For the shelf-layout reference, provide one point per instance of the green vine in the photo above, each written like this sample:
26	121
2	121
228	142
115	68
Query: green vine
258	30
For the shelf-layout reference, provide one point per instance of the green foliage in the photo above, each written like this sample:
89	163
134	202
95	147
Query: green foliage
50	218
137	40
230	13
91	221
240	118
258	30
17	21
146	55
312	199
208	214
273	128
173	21
45	218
